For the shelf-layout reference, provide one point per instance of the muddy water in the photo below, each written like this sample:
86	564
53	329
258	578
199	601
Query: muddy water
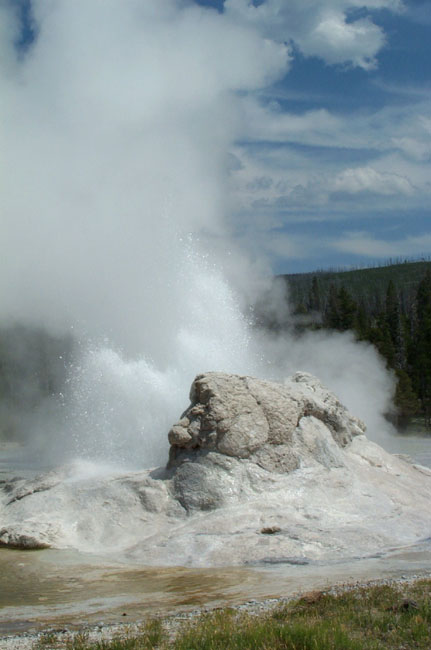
42	589
61	579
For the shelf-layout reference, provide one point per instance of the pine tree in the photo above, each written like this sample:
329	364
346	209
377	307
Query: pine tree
347	309
393	322
332	317
406	400
314	299
362	323
380	336
421	350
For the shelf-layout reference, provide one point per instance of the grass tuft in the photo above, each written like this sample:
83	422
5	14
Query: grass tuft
373	618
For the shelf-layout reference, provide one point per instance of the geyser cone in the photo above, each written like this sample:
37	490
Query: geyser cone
259	472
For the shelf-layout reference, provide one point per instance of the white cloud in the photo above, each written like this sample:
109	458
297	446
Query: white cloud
319	27
290	180
413	148
322	175
413	137
271	123
285	246
368	179
366	245
380	130
337	41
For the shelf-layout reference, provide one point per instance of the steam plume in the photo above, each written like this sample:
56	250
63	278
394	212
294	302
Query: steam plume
119	119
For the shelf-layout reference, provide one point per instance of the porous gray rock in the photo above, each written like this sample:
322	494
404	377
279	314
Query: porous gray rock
268	423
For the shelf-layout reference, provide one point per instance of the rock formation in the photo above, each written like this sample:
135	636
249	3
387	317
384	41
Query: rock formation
277	427
257	472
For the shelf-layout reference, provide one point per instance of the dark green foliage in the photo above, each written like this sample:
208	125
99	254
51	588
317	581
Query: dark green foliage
361	326
420	356
331	317
365	285
347	309
342	310
314	298
406	399
388	306
380	335
392	312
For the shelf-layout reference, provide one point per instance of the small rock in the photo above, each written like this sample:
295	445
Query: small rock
179	436
312	597
270	530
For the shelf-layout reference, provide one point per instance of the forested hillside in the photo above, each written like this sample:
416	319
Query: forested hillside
389	306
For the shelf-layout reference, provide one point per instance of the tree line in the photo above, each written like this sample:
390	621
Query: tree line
396	320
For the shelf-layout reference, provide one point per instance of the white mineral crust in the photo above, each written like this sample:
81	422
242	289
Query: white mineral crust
257	472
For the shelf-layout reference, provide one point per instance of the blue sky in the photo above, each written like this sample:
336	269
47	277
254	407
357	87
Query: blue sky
333	168
331	163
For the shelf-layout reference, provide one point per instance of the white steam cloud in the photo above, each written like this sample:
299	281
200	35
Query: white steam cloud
120	116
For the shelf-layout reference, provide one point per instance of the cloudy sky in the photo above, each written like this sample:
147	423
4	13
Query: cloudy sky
329	150
333	167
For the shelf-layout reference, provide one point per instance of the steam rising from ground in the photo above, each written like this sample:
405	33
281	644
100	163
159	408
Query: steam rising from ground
120	117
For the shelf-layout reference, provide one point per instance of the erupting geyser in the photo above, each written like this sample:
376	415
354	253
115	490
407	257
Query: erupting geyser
119	122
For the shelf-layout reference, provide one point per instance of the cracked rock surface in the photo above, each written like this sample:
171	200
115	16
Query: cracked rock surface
263	421
247	457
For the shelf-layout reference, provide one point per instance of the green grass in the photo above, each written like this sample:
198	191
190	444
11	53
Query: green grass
228	631
374	618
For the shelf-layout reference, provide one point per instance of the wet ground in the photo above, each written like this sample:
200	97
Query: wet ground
55	589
